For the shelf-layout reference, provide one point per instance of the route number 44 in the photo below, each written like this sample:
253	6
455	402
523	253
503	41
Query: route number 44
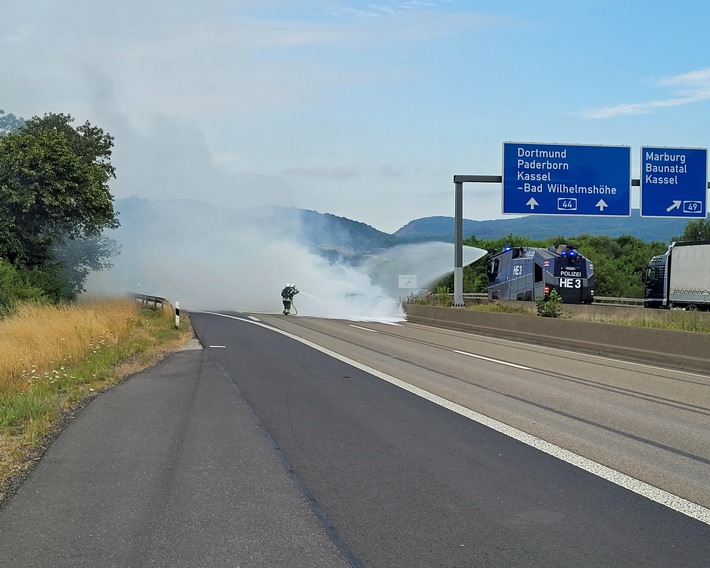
567	204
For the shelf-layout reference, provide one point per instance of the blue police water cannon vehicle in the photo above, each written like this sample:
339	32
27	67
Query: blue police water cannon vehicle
532	273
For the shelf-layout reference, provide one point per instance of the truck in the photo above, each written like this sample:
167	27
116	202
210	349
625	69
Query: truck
679	278
532	273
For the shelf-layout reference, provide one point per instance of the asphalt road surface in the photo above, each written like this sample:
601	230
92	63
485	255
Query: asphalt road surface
399	446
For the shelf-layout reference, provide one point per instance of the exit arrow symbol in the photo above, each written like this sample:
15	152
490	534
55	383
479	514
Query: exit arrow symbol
676	205
532	203
601	204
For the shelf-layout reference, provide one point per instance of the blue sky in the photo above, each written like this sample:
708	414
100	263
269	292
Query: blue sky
361	109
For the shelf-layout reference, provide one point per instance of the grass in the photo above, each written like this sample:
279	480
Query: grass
676	320
502	308
54	359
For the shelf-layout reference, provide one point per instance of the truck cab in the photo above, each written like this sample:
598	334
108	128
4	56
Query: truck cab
656	283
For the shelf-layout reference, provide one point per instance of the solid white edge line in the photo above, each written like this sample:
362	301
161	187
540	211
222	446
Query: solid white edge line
639	487
492	360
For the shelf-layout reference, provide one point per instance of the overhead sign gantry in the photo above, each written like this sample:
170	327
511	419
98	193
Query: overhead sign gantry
574	179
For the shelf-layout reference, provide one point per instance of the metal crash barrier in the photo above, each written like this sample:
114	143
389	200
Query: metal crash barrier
151	302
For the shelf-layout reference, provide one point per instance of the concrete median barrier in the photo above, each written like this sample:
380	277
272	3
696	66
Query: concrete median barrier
675	349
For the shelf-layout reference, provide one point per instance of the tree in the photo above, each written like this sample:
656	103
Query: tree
696	230
9	123
79	257
53	188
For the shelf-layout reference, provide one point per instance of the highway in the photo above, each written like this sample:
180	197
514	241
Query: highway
407	481
305	442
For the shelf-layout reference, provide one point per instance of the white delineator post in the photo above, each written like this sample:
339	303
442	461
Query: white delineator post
177	315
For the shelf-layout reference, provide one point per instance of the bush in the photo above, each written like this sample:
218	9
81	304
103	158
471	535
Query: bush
9	284
442	296
550	308
45	283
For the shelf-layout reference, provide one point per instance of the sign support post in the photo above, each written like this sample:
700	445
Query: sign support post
458	251
458	229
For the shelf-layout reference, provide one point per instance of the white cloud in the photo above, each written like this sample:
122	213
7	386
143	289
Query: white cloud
687	88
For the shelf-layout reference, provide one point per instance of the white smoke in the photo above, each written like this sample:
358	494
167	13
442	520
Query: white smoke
220	259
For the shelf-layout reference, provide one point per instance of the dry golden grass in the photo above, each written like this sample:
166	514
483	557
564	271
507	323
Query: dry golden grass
40	339
55	358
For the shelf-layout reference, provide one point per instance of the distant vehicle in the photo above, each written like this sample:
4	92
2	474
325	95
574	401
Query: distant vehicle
420	293
531	273
679	278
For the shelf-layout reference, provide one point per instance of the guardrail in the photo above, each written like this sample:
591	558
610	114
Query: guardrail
600	299
626	301
152	302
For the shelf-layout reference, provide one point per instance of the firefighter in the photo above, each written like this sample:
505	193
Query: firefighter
287	295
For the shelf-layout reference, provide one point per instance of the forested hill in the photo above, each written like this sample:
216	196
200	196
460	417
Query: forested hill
334	235
539	227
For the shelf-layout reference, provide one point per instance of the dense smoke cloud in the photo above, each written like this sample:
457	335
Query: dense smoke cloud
210	258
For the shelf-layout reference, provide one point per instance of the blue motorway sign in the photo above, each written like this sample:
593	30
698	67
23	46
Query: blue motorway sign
674	182
558	179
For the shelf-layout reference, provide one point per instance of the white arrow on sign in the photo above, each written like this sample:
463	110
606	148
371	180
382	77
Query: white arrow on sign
676	205
532	203
601	204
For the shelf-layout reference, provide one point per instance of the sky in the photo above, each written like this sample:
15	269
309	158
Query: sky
365	110
361	109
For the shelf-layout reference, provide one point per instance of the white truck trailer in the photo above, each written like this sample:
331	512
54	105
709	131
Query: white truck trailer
680	278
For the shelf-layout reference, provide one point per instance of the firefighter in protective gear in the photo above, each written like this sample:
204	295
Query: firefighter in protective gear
287	295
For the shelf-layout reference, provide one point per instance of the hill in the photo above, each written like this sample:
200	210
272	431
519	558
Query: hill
325	233
544	226
337	237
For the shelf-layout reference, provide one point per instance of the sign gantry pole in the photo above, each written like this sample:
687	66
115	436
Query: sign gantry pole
458	224
458	250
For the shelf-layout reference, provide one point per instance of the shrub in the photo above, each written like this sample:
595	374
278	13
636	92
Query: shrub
9	284
442	296
550	308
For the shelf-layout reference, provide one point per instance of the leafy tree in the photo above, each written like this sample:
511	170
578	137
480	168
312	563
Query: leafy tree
79	257
696	230
54	190
9	123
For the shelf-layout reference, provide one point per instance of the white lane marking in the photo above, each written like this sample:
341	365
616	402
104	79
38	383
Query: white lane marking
365	328
491	360
639	487
218	346
567	352
253	318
